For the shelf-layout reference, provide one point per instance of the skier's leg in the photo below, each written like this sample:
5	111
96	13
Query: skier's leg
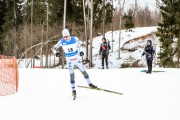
150	66
83	71
106	60
72	76
102	61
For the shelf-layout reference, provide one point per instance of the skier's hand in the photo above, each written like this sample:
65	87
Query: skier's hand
142	54
57	54
82	44
81	53
149	56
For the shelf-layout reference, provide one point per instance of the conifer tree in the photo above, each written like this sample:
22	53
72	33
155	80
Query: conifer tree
12	18
129	24
169	33
2	11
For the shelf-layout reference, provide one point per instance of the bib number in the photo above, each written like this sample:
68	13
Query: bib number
70	49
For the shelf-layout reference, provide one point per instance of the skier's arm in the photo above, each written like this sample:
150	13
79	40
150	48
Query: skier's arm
144	52
78	42
56	47
100	49
109	47
153	51
81	53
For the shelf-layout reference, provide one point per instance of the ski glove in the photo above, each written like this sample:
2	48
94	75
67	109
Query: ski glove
143	54
81	53
57	54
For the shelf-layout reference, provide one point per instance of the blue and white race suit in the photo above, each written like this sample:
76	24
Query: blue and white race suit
71	52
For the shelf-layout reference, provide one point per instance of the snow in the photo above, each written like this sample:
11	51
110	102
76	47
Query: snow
45	94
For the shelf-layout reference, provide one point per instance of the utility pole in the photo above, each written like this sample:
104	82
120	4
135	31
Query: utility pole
135	10
103	18
31	27
15	17
85	32
178	44
112	28
47	25
91	34
156	12
64	26
64	18
120	22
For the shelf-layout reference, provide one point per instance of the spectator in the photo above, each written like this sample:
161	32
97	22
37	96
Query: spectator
104	52
148	50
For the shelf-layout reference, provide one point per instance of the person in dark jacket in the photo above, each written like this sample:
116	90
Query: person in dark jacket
148	50
104	52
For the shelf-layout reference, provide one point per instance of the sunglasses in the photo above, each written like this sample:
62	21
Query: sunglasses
65	36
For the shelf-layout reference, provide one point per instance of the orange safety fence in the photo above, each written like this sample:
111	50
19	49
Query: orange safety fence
9	76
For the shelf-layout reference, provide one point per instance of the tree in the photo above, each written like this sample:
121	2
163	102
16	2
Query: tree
129	23
98	13
169	33
13	18
176	8
56	8
2	11
121	9
38	7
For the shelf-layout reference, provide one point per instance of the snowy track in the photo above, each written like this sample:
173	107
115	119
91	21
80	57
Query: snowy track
45	94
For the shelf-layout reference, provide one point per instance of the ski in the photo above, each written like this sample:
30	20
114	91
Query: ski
101	89
152	71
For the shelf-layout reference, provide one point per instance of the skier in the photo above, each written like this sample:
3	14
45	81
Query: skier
104	52
70	46
148	50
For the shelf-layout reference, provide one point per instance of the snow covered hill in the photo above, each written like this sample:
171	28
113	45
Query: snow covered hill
45	94
132	45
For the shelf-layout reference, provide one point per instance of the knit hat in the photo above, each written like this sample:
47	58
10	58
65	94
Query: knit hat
65	32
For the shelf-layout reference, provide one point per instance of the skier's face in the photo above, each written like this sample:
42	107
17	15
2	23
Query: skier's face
103	40
148	43
66	37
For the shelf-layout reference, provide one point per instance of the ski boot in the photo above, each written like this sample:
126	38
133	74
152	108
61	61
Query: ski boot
74	94
92	86
107	67
148	72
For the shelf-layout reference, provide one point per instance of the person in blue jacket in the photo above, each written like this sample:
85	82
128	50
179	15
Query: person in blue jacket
149	51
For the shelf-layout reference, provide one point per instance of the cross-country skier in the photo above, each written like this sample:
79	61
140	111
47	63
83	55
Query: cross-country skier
104	52
148	50
70	46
